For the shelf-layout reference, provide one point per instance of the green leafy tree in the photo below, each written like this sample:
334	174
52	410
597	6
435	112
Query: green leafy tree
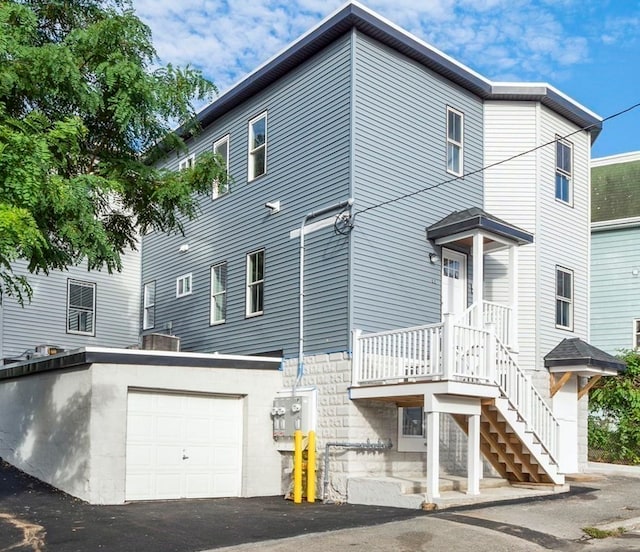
614	414
84	113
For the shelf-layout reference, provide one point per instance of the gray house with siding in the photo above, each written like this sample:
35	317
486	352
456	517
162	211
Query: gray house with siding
412	292
71	309
615	255
407	240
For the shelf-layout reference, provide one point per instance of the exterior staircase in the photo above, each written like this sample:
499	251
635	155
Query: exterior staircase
518	431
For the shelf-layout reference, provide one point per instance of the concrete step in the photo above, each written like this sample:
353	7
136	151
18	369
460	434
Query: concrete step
406	492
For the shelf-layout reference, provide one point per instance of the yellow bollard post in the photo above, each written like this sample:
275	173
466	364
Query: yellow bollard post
297	466
311	467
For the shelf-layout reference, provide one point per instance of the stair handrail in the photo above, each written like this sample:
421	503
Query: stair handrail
517	388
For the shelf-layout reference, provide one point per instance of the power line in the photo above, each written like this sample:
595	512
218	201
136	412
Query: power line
491	165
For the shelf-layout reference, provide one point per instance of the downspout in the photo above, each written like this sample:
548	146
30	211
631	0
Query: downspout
307	218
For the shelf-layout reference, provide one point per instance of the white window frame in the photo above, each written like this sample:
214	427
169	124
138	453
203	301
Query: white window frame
453	143
562	172
218	296
216	192
148	305
251	284
184	285
636	334
254	151
410	443
80	309
564	299
187	162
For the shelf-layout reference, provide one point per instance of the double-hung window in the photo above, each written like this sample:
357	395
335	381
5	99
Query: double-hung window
218	293
455	141
187	162
636	334
564	169
258	146
183	285
81	307
221	149
149	306
564	298
255	283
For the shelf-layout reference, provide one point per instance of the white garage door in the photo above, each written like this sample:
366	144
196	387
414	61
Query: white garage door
183	446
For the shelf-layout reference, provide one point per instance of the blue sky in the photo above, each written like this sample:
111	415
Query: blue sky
588	49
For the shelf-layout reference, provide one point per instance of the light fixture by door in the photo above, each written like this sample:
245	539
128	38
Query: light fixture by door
433	257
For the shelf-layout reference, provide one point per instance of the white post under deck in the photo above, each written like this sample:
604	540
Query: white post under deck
474	461
478	277
432	429
513	297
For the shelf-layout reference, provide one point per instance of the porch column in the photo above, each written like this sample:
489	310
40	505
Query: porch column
513	297
478	279
474	463
432	428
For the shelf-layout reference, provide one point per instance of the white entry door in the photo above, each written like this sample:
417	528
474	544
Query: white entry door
454	282
183	446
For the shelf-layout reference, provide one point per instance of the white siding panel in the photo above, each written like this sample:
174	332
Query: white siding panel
522	191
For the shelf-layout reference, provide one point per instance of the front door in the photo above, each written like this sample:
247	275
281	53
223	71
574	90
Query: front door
454	282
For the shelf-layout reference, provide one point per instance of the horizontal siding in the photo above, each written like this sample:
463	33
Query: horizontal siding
307	169
400	147
511	194
44	319
563	233
615	301
522	191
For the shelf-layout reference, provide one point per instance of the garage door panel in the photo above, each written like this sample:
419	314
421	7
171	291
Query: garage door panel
183	446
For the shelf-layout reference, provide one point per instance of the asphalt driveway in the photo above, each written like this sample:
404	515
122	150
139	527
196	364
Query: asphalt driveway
36	517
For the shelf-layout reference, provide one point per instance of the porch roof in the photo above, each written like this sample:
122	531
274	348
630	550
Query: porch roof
476	218
574	352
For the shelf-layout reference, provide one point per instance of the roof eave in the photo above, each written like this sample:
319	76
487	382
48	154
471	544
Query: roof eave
353	15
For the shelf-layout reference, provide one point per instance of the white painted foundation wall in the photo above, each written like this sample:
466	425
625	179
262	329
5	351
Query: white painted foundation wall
68	427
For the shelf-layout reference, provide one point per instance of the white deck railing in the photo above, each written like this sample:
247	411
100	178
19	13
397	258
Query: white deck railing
453	350
526	399
492	313
398	354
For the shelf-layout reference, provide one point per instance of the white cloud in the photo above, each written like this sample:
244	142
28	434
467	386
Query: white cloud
524	39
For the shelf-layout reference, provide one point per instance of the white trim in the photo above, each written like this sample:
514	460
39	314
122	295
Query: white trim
215	193
187	162
213	295
636	335
410	443
458	144
566	174
252	151
615	159
82	283
147	306
614	224
183	279
249	284
569	300
313	227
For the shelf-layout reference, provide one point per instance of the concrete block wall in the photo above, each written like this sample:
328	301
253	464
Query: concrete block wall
342	420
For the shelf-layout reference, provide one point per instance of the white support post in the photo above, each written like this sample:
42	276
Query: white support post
490	353
474	463
432	428
448	347
513	298
478	280
356	358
